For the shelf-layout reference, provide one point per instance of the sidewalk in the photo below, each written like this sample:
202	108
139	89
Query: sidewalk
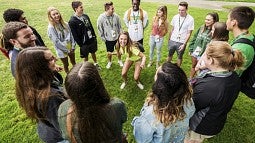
206	4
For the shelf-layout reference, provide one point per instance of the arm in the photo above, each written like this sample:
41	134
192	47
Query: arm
143	131
53	35
145	19
100	28
192	42
119	24
126	18
74	30
183	46
170	33
71	38
143	59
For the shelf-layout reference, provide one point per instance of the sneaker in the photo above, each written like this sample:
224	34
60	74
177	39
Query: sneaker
120	63
97	66
123	85
109	64
150	63
140	85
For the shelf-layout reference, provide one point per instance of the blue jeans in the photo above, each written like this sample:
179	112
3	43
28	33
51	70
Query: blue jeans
158	44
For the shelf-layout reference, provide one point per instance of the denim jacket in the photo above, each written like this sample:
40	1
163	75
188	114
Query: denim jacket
147	129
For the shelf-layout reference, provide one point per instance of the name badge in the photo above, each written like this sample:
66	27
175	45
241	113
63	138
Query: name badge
89	34
113	33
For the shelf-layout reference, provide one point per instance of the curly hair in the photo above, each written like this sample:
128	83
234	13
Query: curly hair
12	14
170	92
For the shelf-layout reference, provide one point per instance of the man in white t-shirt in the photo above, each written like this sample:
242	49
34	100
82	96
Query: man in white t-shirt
182	27
136	20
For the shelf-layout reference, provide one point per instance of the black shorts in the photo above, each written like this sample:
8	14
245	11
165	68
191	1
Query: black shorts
110	45
88	48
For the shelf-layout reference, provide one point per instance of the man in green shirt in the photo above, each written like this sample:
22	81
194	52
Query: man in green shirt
239	20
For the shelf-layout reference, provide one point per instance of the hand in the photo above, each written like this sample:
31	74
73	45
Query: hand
182	47
142	65
59	68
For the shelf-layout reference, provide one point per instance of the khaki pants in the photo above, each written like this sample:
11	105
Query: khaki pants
193	137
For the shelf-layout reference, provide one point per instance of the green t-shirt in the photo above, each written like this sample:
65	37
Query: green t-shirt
246	50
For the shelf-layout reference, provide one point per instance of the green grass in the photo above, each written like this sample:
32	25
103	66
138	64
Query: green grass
235	0
16	127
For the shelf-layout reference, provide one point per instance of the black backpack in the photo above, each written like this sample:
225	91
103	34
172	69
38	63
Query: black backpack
139	46
248	76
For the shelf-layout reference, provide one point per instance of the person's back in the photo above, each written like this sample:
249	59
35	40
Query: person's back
165	115
215	91
115	107
90	115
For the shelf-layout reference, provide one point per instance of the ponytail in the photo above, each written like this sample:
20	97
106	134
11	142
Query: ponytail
237	59
227	57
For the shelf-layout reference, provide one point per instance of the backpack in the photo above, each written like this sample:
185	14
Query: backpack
140	11
139	46
248	76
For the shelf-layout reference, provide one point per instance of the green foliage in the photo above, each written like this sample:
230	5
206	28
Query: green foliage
16	127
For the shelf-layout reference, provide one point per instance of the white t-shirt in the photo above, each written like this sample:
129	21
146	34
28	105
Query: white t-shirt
136	25
181	27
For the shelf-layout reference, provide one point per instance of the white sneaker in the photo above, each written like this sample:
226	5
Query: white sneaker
120	63
123	85
140	85
150	63
109	64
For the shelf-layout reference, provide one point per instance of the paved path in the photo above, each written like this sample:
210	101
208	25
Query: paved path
206	4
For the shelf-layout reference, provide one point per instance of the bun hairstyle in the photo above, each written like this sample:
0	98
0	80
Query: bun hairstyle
227	57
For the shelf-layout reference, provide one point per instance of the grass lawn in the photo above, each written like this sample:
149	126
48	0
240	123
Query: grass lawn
16	127
235	0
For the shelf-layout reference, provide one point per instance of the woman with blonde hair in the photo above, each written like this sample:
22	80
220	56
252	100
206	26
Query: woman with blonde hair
61	36
214	91
124	46
159	30
166	112
39	90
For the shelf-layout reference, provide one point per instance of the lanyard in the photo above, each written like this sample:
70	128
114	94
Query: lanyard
135	17
110	20
180	24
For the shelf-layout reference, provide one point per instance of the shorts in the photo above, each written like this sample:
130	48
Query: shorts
88	48
193	136
174	46
110	45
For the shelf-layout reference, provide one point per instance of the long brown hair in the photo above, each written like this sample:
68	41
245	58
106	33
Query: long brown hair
33	79
129	43
90	99
164	24
170	92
